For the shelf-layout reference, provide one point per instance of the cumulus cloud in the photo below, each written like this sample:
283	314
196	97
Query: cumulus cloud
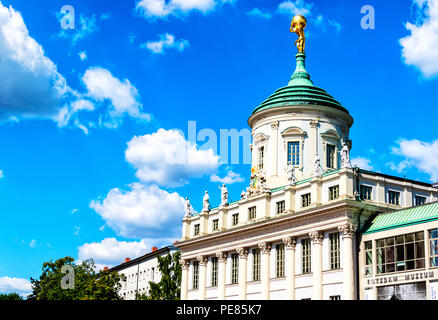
166	158
142	211
102	86
110	251
295	7
257	13
230	178
362	163
83	55
18	285
31	85
166	42
160	9
419	154
85	27
420	48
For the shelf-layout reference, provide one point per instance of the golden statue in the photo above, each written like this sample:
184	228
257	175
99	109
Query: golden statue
298	25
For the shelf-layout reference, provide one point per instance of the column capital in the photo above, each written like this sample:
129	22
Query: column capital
264	247
347	230
314	123
317	237
274	125
202	260
243	252
289	243
222	257
184	264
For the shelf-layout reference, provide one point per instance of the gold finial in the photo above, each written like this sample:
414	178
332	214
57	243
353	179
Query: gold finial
298	25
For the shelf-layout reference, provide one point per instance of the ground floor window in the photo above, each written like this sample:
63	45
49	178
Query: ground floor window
335	297
410	291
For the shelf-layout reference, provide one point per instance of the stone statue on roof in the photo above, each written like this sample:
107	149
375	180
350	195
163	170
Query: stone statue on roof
188	208
206	202
224	195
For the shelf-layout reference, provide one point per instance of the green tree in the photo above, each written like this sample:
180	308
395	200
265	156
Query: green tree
10	296
88	284
169	286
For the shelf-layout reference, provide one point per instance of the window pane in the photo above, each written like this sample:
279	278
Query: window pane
419	235
400	239
400	252
368	245
419	249
369	257
433	233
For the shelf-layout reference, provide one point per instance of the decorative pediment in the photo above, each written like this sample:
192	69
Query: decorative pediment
260	137
330	134
293	131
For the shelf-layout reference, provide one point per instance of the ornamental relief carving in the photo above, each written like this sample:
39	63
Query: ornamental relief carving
347	230
222	257
289	243
264	247
243	253
184	264
316	236
202	260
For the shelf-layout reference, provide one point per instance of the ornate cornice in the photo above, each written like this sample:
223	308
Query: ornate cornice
289	243
222	257
347	230
316	236
264	247
243	253
202	260
184	264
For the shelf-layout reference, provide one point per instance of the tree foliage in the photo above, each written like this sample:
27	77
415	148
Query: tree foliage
88	284
10	296
169	287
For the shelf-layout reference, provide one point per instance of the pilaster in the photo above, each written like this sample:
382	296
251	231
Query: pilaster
289	260
243	267
317	238
265	250
347	232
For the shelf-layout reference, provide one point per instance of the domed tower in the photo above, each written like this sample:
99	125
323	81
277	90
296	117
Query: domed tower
299	128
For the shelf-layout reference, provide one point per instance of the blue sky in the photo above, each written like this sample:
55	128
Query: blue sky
87	113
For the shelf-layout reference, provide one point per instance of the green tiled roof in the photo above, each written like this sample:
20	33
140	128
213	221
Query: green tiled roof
405	217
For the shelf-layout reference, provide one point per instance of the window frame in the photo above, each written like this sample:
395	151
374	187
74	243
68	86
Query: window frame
235	219
196	230
282	205
306	256
256	264
279	261
423	199
309	200
215	225
214	271
394	192
362	192
334	192
234	268
335	251
195	278
252	213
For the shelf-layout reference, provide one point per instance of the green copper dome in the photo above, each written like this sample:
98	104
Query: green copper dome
300	91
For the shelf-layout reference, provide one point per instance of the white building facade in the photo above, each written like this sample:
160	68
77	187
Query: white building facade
294	234
140	271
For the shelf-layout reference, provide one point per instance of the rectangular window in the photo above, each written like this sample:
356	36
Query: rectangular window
366	192
261	157
280	207
331	151
214	264
306	252
335	297
333	192
334	251
256	265
293	153
196	231
280	261
368	258
234	268
400	253
195	274
433	244
305	200
252	213
419	200
216	225
394	197
235	219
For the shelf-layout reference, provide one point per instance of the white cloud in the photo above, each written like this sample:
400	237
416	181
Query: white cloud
110	251
83	55
18	285
33	243
295	7
141	211
362	163
167	41
85	26
124	97
74	211
230	178
419	154
1	174
420	48
257	13
153	9
77	230
166	158
31	85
